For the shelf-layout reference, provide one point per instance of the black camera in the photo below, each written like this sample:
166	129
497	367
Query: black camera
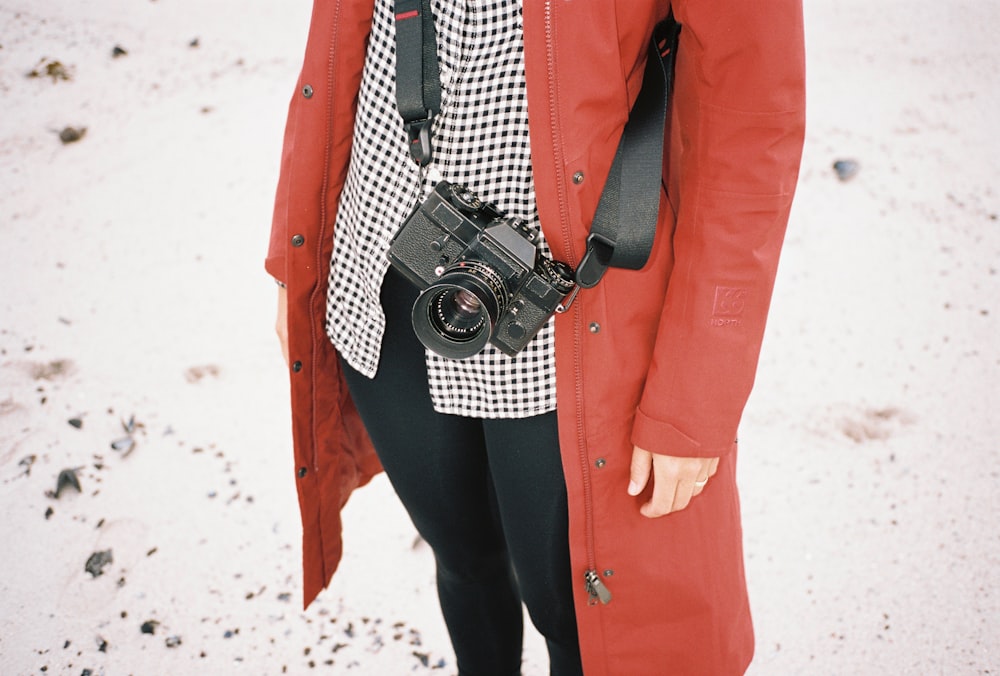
481	276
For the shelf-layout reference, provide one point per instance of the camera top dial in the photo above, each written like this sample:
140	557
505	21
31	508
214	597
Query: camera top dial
465	199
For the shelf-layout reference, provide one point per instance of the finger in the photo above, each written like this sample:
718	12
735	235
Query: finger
642	464
664	488
662	501
682	495
706	472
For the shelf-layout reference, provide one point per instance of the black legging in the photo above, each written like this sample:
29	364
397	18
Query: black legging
486	495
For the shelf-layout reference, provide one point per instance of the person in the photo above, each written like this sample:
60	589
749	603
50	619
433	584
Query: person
592	474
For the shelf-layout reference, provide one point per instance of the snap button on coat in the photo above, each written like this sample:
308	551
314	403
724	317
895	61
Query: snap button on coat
298	240
307	91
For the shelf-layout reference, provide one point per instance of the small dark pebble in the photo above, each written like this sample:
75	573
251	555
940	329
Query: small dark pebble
846	169
173	641
118	51
152	551
67	479
424	658
72	134
125	445
52	69
97	561
87	672
26	462
130	425
229	634
102	645
67	644
149	627
49	512
194	43
76	422
285	596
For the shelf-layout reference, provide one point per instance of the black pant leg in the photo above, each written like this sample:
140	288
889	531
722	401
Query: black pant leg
531	494
438	466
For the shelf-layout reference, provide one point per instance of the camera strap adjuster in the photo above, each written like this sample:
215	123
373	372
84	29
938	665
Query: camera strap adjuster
418	133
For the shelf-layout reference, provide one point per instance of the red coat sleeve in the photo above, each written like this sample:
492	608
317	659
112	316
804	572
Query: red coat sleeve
736	141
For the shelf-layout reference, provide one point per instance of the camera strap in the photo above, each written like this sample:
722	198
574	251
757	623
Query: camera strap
624	225
418	77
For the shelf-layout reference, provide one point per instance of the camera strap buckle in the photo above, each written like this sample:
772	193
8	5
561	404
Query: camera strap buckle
418	134
595	260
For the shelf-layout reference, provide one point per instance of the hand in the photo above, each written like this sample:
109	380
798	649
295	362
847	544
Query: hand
674	480
281	324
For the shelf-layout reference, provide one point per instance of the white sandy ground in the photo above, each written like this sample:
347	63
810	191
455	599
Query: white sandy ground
132	285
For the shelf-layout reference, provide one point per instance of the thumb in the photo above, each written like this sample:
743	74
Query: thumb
642	464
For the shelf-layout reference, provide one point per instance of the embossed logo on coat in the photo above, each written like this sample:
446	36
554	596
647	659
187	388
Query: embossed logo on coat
730	301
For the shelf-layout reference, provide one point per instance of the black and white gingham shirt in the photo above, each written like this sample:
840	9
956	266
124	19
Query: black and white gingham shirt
480	140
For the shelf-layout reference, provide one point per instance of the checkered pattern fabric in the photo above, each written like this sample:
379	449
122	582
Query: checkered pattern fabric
480	140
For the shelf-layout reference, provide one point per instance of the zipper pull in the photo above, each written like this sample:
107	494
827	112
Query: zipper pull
596	588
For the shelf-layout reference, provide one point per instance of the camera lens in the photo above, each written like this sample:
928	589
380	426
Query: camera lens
455	316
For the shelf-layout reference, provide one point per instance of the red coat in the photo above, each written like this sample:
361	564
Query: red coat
662	358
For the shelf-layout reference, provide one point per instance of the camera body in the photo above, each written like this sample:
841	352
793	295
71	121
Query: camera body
480	273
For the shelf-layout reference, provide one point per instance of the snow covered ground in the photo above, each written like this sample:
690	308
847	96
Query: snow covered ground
133	290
